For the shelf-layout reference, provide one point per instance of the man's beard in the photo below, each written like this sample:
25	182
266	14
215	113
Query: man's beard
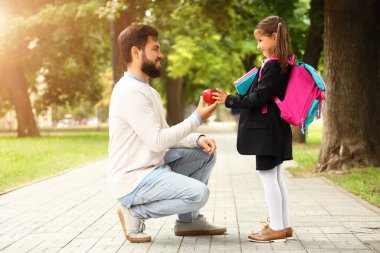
149	68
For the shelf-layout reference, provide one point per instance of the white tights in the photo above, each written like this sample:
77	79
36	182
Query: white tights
277	197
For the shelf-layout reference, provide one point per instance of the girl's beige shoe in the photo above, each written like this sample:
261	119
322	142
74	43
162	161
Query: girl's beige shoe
268	235
288	231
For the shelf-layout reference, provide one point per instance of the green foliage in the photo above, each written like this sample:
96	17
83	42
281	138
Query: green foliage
193	57
299	26
65	45
74	54
112	9
195	50
207	43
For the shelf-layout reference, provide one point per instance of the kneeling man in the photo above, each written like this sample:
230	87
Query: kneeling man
155	170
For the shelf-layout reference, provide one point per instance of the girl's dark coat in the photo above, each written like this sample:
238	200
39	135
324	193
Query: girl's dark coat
263	134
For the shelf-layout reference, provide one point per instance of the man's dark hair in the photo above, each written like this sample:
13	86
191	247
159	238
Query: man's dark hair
135	35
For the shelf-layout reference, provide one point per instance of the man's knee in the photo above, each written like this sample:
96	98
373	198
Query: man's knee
204	194
212	159
200	196
208	160
203	155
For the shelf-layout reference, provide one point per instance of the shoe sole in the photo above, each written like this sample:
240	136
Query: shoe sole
201	232
268	241
131	239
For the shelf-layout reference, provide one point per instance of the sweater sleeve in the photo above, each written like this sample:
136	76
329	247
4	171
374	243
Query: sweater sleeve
190	141
263	93
145	121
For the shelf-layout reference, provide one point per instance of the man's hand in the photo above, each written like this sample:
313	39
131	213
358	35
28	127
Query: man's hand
207	143
205	112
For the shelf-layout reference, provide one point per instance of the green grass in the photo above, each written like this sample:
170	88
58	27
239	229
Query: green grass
24	160
314	135
306	155
364	182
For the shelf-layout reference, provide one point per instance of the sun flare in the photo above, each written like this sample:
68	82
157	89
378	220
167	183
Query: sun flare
3	18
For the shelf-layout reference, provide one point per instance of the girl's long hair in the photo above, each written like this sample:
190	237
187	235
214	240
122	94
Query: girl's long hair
283	48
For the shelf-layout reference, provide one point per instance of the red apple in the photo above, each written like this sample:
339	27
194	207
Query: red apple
207	96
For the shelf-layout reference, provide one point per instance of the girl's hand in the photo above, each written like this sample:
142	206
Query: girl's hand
220	96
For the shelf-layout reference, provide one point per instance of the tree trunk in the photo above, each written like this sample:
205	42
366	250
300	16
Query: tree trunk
297	135
119	24
351	133
314	46
17	89
174	100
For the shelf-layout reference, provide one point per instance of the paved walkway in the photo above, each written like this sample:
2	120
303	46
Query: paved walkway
74	212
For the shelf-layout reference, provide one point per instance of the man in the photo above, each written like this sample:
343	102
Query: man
155	170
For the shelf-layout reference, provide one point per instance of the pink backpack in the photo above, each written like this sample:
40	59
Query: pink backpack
304	95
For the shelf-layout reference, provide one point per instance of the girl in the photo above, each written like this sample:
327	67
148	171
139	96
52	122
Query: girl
261	131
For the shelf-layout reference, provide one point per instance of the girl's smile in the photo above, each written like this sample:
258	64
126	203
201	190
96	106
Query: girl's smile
265	43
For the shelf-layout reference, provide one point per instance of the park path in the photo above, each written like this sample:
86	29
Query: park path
74	212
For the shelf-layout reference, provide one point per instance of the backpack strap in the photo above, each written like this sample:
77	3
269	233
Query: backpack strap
264	108
290	62
264	62
293	59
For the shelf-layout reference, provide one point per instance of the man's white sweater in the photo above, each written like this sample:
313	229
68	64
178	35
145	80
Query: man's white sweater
139	135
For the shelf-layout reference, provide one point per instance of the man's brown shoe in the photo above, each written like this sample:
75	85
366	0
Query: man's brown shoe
135	226
268	235
199	226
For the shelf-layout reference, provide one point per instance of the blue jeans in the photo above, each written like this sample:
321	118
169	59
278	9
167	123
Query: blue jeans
182	190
